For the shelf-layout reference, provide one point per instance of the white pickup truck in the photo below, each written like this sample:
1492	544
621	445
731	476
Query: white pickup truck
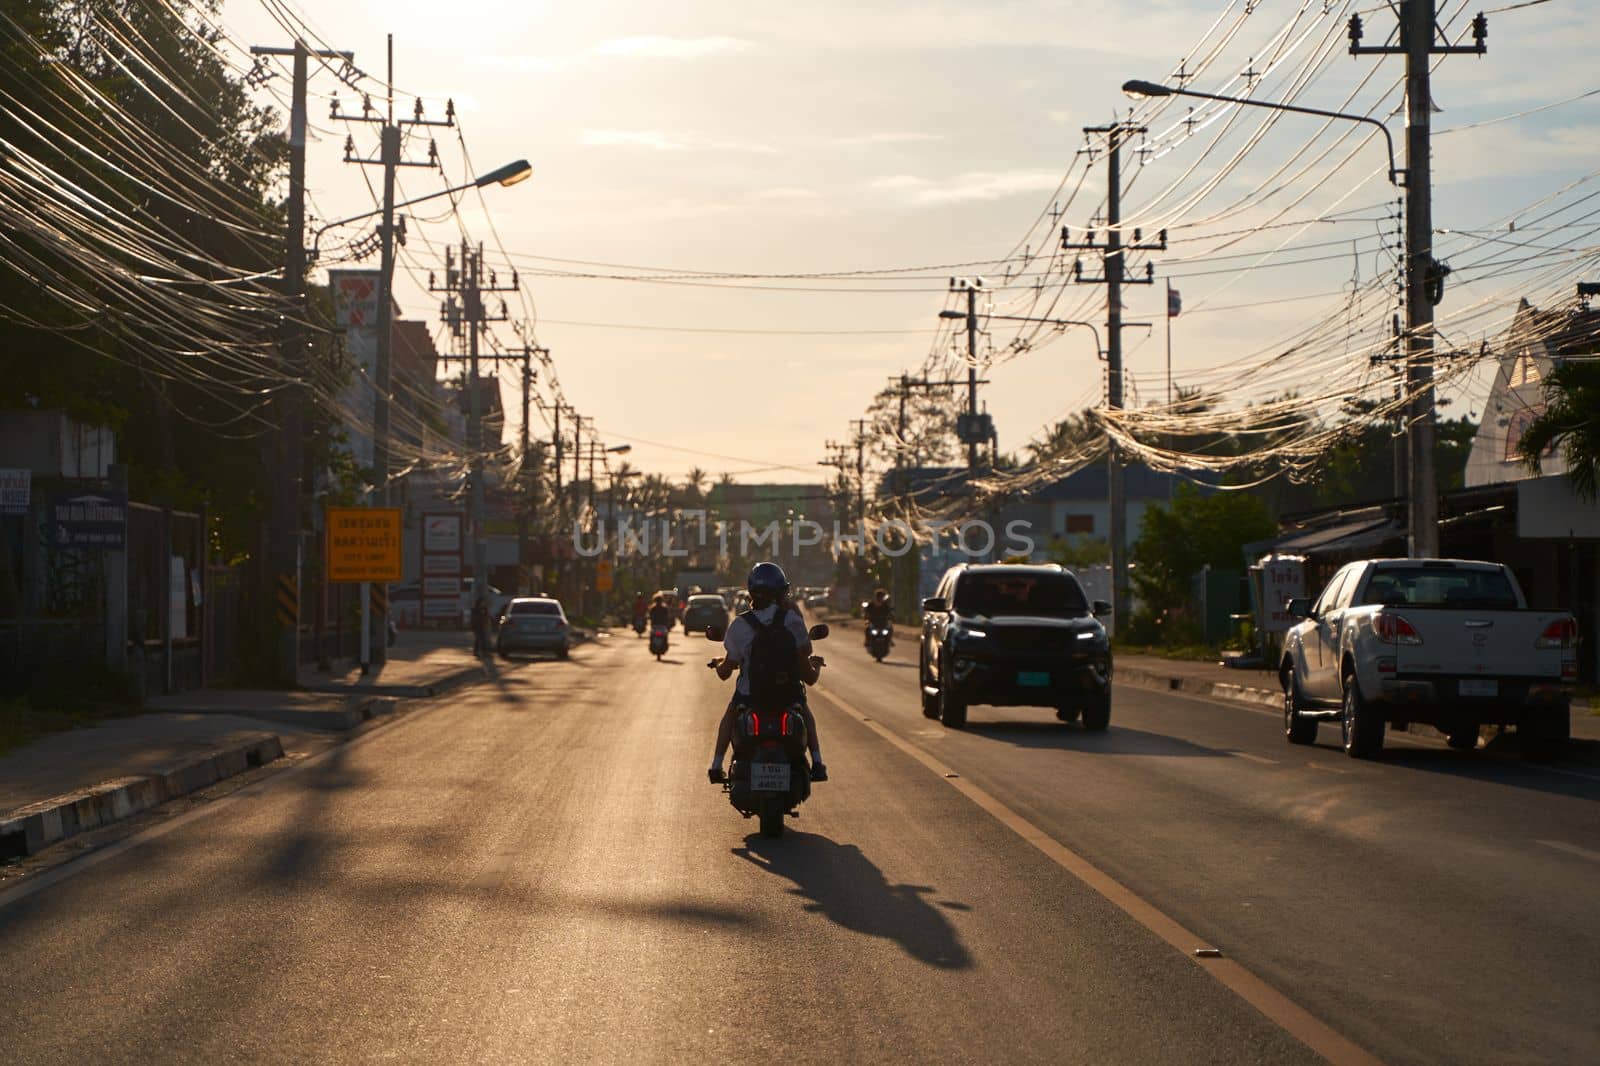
1445	642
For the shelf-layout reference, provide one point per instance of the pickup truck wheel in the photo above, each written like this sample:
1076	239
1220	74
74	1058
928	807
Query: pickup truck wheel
1097	714
1297	728
1362	730
952	709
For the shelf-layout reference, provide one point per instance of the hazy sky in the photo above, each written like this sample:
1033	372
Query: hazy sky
793	138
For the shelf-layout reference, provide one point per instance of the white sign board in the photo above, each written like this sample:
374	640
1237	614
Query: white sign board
442	588
437	565
15	486
441	532
1548	508
355	297
1283	577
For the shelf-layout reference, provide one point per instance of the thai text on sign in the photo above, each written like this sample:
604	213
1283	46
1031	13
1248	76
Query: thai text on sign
363	544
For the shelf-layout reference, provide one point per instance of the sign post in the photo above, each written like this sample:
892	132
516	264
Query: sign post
363	546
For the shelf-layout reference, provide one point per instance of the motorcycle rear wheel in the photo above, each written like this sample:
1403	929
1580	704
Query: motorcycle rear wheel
771	815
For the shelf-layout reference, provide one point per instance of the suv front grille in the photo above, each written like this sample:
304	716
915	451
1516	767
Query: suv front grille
1033	638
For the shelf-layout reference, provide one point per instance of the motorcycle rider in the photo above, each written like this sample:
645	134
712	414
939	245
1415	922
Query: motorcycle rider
641	608
660	613
879	611
769	606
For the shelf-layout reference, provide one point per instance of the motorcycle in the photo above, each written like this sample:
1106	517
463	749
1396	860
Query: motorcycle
879	638
638	625
658	641
770	776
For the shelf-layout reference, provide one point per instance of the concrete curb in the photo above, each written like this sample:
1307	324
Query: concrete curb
1578	749
30	829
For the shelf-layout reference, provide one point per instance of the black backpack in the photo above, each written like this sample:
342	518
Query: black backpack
771	665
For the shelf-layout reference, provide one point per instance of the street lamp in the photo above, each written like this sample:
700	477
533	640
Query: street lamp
1138	89
510	174
1099	348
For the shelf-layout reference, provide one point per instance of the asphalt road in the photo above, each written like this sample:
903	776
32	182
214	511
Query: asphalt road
537	870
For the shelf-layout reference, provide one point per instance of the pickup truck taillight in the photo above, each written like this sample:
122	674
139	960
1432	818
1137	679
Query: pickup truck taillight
1393	629
1562	633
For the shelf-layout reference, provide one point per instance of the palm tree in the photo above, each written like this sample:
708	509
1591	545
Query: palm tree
1570	421
692	482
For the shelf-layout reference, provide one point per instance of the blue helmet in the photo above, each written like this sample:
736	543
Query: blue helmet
766	583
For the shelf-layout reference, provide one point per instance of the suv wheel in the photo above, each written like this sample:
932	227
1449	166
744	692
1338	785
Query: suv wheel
1097	714
1361	728
952	709
1297	728
930	704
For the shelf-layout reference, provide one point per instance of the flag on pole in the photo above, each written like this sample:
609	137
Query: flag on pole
1174	302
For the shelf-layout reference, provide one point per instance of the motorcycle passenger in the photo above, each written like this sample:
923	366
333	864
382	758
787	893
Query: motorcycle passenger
660	613
770	608
879	611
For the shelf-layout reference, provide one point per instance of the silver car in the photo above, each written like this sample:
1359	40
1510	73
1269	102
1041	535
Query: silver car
534	623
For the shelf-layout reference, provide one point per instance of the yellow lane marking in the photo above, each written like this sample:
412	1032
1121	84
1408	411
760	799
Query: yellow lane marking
1277	1007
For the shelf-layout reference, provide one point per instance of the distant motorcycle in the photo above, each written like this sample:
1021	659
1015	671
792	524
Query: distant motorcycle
658	641
879	638
639	625
770	776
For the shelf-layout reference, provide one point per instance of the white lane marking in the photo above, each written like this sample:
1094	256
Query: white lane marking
1277	1007
1329	769
1571	849
1262	759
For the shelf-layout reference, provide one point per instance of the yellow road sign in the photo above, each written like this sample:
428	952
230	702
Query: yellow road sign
363	544
602	575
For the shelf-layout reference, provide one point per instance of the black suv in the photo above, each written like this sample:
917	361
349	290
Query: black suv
1014	636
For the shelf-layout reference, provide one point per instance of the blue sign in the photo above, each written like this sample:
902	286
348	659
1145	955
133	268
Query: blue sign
89	520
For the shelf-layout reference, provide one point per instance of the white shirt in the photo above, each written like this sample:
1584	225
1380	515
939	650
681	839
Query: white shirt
742	635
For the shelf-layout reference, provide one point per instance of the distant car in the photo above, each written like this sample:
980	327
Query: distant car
534	623
1012	635
497	602
705	612
405	605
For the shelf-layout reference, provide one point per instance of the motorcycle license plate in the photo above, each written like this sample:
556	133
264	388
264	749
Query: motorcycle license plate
1479	688
769	777
1033	679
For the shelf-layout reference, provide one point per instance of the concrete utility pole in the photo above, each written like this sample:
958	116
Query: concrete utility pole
860	425
389	159
972	428
1113	276
528	479
288	486
464	311
1424	275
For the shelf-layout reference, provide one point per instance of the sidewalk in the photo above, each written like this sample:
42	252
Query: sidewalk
67	783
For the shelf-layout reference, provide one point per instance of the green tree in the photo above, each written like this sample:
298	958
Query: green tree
1570	423
1195	530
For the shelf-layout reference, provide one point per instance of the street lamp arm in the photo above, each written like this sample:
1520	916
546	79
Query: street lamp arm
1138	87
510	174
1100	349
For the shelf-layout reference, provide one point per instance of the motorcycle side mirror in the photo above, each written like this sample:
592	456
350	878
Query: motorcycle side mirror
714	633
819	632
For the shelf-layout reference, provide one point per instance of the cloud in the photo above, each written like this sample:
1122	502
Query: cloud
655	140
907	137
654	47
662	141
786	192
977	186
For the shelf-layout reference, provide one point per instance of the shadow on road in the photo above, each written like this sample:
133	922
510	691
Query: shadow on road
844	885
1118	740
1573	780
